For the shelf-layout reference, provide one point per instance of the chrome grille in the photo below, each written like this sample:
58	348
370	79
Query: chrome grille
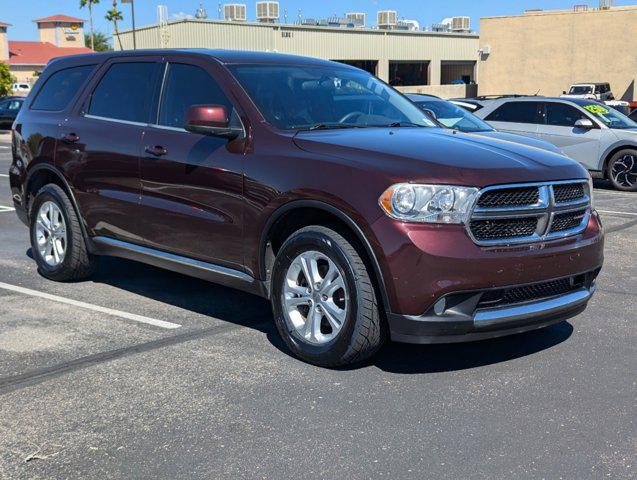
509	197
569	192
529	212
567	221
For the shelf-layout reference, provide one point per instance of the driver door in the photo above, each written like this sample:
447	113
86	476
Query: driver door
192	184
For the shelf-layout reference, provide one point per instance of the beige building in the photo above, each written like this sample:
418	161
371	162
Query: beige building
413	61
547	51
59	35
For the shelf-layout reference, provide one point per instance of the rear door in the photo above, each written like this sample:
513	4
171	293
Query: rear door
519	117
192	185
100	145
580	144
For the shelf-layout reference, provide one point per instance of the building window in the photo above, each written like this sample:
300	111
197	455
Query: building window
406	73
370	66
457	72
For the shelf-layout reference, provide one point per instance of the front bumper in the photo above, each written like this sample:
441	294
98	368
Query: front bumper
461	321
425	264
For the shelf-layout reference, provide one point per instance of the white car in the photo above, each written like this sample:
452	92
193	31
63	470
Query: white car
591	91
599	137
21	87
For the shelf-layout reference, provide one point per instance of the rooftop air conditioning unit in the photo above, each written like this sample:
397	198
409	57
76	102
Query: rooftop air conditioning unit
267	12
358	19
234	12
460	24
387	18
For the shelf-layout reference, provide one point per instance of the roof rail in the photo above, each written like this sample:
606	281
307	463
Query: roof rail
506	95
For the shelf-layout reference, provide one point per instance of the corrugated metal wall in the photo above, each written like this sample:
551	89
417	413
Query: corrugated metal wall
327	43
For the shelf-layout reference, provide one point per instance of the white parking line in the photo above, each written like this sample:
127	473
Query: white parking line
612	212
88	306
4	175
6	209
601	191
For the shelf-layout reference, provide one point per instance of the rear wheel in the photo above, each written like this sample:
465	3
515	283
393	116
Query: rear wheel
622	170
323	299
57	242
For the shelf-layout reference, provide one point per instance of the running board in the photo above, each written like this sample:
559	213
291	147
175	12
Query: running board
176	263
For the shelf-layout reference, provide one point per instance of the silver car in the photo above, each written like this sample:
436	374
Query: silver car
450	115
599	137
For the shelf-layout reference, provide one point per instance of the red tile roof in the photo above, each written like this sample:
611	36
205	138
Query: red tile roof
60	18
39	53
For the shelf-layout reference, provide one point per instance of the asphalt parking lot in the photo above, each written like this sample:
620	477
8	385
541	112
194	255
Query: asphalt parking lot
142	373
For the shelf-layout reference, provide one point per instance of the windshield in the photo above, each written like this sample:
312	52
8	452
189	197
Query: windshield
299	97
452	116
580	90
608	116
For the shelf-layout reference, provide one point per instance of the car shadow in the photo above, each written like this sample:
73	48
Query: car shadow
233	306
603	184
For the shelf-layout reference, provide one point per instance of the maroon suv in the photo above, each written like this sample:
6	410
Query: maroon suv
308	182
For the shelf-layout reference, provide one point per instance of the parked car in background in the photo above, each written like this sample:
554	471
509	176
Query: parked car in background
599	137
308	182
450	115
619	105
591	91
21	87
9	108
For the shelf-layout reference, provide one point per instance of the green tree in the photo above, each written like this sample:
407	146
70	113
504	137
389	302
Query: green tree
101	42
6	79
89	4
114	15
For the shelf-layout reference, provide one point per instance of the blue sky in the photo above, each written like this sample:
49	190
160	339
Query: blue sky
426	12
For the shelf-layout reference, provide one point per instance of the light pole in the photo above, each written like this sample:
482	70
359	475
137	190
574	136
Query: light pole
132	12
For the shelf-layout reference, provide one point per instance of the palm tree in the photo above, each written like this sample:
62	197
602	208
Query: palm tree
114	15
89	4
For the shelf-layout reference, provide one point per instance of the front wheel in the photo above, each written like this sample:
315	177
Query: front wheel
323	299
622	170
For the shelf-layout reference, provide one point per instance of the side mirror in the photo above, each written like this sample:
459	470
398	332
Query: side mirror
210	120
584	123
430	113
563	92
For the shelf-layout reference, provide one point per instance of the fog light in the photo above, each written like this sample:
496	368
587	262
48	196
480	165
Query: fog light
439	306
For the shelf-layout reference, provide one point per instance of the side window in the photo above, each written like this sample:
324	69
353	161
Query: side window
516	112
14	105
563	115
60	88
188	85
125	92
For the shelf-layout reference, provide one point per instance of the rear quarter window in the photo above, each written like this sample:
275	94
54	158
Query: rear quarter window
60	88
516	112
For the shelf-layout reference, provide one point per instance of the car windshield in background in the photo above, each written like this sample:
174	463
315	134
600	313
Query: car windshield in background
453	116
580	90
316	97
607	115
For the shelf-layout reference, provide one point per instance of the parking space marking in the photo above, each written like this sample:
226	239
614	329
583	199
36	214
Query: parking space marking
96	308
6	209
4	175
601	191
612	212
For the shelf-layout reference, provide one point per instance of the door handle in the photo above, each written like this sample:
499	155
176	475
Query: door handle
70	138
157	150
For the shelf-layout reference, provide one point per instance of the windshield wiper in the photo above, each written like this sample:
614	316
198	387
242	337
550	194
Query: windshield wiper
330	126
403	124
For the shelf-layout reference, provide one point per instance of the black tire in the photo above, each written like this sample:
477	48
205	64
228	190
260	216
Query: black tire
626	183
78	263
362	333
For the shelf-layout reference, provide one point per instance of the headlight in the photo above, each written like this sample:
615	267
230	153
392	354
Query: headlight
428	203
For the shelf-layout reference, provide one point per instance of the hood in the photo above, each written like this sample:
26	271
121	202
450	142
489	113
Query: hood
436	155
532	142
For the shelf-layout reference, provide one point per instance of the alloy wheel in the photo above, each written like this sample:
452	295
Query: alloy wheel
50	234
315	298
624	171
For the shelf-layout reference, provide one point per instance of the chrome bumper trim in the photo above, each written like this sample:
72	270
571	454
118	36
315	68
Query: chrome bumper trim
494	316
